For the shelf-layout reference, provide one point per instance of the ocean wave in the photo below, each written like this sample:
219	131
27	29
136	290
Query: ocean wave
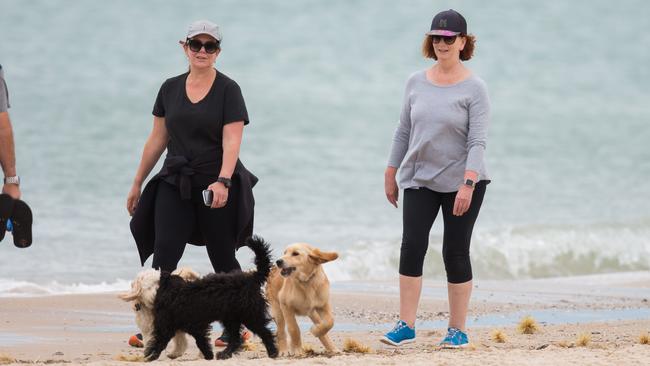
535	251
13	288
522	252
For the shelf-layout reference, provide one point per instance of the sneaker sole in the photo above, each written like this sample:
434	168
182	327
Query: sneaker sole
451	346
391	343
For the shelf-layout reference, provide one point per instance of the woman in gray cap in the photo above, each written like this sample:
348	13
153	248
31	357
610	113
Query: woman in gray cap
199	118
439	148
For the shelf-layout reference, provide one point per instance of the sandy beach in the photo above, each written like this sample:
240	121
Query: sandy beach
611	310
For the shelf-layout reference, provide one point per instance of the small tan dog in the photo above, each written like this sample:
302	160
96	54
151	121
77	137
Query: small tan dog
143	293
299	286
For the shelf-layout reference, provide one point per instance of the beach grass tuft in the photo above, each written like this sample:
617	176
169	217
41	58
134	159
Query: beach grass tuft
129	358
499	336
6	359
644	338
309	350
353	346
583	340
528	325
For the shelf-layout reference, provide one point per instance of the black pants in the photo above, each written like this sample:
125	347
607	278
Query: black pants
421	207
175	221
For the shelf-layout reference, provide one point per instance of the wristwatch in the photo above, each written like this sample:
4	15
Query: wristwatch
12	180
470	183
226	181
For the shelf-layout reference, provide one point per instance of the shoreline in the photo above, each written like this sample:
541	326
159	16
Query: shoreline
94	328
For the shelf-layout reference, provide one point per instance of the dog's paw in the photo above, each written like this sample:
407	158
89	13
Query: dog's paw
273	353
284	353
208	355
174	355
223	355
152	356
333	351
297	352
314	330
317	331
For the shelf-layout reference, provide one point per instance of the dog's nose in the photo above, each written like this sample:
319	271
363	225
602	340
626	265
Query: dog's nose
279	262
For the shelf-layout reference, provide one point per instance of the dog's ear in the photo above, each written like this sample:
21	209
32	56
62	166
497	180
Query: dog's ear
136	291
320	257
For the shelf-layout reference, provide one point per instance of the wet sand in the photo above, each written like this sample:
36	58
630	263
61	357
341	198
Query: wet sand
613	311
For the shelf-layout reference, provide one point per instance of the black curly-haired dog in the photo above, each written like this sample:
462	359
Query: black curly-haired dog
233	299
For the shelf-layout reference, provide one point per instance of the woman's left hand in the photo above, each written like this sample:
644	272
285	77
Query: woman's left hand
219	194
463	200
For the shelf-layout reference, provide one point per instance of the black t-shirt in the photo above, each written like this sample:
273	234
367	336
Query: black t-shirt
197	128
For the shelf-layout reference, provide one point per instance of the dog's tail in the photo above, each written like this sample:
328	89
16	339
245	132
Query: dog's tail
262	252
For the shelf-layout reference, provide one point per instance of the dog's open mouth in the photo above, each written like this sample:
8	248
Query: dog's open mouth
286	271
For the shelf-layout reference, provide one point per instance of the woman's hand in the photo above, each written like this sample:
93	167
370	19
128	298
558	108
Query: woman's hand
390	185
219	194
132	199
463	200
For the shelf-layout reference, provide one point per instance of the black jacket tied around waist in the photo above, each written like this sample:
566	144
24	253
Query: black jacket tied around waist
200	172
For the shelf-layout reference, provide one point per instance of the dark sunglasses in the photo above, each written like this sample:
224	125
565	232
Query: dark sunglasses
195	45
448	39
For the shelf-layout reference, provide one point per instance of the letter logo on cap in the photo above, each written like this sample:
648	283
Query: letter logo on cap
442	23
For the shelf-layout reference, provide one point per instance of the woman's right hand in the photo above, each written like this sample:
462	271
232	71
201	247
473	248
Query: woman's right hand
390	185
132	199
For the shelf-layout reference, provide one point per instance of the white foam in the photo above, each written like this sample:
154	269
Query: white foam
13	288
514	253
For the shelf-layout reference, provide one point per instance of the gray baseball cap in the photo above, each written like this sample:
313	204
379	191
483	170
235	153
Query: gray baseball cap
204	27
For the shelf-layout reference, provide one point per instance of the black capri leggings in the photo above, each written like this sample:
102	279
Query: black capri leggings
175	221
421	207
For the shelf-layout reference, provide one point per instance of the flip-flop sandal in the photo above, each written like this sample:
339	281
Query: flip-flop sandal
6	208
21	218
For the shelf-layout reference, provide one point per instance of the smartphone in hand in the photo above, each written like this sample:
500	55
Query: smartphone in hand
207	197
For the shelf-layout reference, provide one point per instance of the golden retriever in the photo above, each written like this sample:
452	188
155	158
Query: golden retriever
142	295
299	286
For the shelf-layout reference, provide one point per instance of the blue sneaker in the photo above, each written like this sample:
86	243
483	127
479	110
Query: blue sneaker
401	334
455	338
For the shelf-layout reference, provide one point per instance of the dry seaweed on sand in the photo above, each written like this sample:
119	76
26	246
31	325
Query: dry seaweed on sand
528	325
129	358
353	346
6	359
583	340
499	336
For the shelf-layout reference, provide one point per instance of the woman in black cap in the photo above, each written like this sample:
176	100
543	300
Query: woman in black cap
199	117
439	148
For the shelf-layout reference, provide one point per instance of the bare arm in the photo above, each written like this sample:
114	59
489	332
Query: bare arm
153	148
8	155
232	136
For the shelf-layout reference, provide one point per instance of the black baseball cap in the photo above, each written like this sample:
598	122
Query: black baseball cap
448	23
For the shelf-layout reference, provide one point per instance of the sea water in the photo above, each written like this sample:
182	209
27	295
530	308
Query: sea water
323	83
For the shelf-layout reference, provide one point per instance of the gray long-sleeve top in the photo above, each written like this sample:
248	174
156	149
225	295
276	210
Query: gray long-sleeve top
442	132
